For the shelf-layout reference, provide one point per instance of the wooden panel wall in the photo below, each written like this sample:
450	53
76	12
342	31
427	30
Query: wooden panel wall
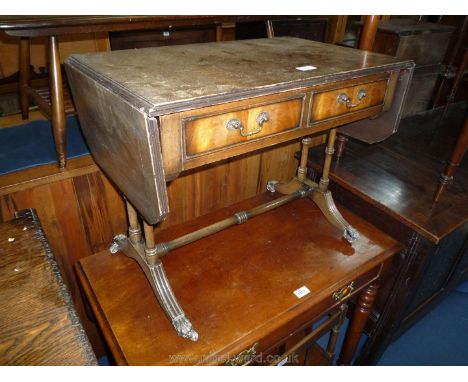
80	43
81	210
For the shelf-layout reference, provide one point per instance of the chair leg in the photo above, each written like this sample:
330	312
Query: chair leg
24	80
56	98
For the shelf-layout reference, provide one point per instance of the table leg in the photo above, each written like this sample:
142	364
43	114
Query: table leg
324	199
456	157
56	99
146	256
356	326
25	63
321	195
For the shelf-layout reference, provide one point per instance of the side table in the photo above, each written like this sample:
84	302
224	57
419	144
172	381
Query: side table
248	289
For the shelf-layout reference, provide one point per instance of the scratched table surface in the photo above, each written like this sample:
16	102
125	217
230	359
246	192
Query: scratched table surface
164	77
38	324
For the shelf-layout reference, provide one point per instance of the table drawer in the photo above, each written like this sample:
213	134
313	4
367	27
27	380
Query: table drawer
207	133
334	103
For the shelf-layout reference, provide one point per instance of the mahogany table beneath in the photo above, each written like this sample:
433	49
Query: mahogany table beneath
236	286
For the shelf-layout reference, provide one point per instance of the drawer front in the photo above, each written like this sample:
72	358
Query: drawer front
205	134
334	103
265	348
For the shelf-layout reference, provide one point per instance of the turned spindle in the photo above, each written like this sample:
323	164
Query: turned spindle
457	155
360	316
134	229
302	169
329	151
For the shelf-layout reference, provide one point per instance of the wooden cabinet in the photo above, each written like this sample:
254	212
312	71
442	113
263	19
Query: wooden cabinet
392	185
426	44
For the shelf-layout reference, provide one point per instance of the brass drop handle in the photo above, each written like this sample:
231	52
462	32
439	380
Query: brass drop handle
344	292
344	98
244	358
236	124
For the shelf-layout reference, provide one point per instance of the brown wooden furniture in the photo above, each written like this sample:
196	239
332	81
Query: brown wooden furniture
426	44
28	27
459	77
159	112
455	158
38	323
238	286
391	185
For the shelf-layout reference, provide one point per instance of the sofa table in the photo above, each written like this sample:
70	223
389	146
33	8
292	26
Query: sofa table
238	286
150	114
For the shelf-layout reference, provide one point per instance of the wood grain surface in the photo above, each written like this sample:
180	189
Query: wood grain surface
38	323
236	286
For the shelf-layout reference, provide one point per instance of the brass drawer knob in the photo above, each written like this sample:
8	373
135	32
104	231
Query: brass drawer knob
344	292
236	124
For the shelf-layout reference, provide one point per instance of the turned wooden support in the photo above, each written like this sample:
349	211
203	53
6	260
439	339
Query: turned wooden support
149	235
340	147
134	229
358	322
335	332
457	155
462	30
56	99
24	80
302	169
368	33
329	151
457	81
269	29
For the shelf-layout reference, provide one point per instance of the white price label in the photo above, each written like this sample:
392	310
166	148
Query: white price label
301	292
306	68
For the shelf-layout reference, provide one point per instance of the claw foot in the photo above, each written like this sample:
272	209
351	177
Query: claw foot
184	328
351	234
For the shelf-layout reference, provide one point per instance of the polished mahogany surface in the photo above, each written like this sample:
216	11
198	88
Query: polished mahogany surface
236	286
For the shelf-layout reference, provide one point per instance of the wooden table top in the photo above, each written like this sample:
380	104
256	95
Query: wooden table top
38	324
181	77
235	286
42	25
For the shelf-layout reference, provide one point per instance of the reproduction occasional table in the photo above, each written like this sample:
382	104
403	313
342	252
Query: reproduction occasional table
38	323
150	114
247	289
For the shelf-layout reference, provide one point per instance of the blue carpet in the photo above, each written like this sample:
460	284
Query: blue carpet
32	144
439	339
